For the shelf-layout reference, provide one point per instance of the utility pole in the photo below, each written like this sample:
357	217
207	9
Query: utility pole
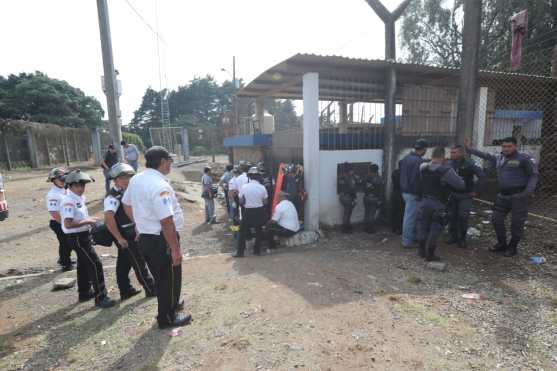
236	88
389	153
110	82
469	70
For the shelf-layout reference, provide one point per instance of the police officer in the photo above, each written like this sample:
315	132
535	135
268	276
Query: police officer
253	198
373	190
223	182
76	224
348	188
409	179
53	205
460	202
436	181
151	204
123	231
3	203
517	175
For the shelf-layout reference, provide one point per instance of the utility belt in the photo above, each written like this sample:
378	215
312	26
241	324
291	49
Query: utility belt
511	191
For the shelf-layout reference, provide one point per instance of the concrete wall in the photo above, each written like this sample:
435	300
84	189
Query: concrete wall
330	209
252	154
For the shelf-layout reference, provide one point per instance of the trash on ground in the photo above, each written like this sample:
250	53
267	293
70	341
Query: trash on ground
473	296
103	342
437	266
474	232
175	332
486	222
63	283
316	284
538	259
302	238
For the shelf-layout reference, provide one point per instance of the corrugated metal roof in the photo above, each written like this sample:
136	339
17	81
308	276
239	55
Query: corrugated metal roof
284	79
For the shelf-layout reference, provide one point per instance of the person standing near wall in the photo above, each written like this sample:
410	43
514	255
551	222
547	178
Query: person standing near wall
409	186
53	204
373	195
131	154
436	182
76	224
109	160
517	177
347	184
460	202
208	195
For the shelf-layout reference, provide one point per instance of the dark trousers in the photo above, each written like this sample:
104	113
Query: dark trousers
459	213
64	248
275	229
89	266
518	207
371	204
397	214
227	200
251	218
168	279
129	258
430	222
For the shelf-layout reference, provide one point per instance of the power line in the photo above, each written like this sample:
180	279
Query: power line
159	37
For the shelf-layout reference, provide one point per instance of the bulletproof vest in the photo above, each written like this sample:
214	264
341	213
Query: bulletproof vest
348	184
431	183
120	215
371	185
465	170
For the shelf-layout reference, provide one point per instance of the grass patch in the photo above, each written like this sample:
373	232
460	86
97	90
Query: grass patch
415	280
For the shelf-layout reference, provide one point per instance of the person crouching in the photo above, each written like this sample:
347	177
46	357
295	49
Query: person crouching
123	231
76	224
284	222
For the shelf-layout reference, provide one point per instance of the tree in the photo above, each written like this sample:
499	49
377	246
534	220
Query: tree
284	113
37	97
431	33
147	115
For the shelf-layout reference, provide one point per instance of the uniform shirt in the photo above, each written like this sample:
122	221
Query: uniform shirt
54	199
286	216
240	181
254	193
518	170
410	173
111	203
131	152
225	179
73	207
152	199
110	158
468	170
232	184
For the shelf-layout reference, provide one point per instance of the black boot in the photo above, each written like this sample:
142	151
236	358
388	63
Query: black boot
421	249
512	248
499	247
431	257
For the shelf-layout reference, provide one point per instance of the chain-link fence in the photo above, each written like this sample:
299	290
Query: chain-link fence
523	104
168	137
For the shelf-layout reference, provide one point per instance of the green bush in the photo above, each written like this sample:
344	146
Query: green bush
134	139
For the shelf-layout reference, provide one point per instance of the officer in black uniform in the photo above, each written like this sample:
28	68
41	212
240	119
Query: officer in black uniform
460	202
517	175
373	194
123	232
436	181
347	189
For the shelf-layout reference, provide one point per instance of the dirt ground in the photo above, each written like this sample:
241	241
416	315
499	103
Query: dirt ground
349	302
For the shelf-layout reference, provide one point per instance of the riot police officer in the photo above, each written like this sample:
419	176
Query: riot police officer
460	202
436	181
517	175
373	190
347	189
53	204
122	230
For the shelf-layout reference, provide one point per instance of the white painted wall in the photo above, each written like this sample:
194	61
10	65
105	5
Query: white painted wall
330	209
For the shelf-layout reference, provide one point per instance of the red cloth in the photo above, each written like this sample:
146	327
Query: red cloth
519	27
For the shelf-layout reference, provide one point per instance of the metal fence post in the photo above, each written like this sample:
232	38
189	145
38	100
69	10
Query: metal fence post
32	150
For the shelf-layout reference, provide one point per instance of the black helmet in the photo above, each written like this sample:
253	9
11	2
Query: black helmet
421	144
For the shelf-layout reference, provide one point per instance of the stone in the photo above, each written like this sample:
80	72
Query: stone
437	266
63	283
302	238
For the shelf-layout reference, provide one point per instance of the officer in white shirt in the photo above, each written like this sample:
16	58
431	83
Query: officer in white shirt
53	204
233	196
151	203
284	222
122	230
76	224
253	198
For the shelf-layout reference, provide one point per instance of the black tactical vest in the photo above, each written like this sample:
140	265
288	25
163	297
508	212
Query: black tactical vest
125	225
431	184
465	170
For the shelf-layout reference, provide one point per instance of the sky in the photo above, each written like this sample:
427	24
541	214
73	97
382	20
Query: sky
199	37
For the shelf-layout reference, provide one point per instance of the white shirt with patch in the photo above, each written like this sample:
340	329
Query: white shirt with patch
240	181
152	199
287	216
254	193
54	198
111	204
73	207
